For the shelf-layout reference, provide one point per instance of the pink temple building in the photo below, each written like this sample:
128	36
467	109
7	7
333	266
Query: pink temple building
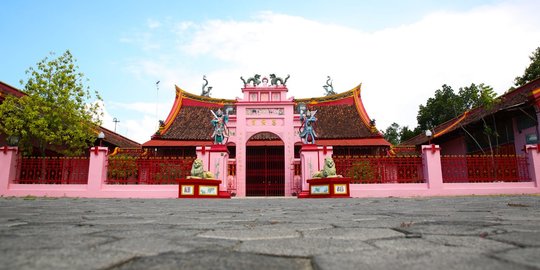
263	134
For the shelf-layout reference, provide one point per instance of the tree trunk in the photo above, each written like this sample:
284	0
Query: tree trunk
472	137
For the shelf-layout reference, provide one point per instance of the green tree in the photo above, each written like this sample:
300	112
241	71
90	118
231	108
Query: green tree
444	106
487	99
405	133
395	134
480	95
58	111
476	95
532	72
391	134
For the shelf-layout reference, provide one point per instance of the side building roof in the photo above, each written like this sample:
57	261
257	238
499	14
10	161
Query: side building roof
523	95
118	140
6	89
341	120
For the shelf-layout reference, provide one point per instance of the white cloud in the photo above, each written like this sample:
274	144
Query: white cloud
182	27
138	129
152	24
399	67
141	127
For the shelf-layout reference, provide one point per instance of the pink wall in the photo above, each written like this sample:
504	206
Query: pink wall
8	161
520	138
434	185
98	188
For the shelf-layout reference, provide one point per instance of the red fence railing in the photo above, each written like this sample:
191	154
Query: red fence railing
498	168
148	170
52	170
380	169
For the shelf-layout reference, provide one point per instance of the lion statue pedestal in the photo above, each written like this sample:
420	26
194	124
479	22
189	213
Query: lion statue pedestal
200	184
329	170
327	183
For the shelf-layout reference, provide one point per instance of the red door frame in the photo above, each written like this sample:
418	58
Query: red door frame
265	171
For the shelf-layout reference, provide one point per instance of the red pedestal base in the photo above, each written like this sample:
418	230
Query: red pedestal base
201	189
327	188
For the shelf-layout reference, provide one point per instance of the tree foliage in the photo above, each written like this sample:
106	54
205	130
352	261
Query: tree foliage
57	111
476	95
532	72
405	133
395	134
438	109
446	104
391	134
443	106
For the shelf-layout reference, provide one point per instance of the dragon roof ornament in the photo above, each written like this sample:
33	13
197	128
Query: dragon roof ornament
256	80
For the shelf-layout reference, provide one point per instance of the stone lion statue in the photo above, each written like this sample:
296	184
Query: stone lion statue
329	170
197	171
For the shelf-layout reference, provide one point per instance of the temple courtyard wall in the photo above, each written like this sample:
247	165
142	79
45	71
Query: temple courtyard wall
96	185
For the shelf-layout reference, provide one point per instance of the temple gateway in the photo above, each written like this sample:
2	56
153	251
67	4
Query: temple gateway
261	136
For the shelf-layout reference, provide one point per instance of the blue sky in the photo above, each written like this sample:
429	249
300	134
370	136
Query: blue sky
401	51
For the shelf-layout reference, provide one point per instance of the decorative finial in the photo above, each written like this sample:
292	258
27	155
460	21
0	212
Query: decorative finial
328	88
252	81
274	80
205	92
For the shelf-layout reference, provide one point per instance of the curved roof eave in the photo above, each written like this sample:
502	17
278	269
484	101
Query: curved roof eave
317	100
177	105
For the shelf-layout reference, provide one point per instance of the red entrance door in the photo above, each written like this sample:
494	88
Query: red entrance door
265	171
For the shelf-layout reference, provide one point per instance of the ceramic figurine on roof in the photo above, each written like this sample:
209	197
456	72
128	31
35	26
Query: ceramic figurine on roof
308	119
256	80
206	92
221	132
274	80
328	88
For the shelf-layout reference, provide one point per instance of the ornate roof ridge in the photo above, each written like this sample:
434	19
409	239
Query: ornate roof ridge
178	101
315	100
189	95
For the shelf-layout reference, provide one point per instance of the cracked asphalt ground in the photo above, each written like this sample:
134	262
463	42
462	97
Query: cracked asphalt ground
492	232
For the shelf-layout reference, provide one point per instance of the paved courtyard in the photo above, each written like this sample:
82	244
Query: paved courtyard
495	232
